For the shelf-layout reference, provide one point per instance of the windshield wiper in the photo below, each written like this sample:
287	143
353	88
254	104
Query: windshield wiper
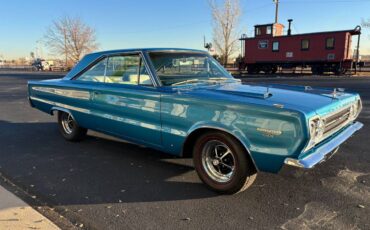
186	81
218	78
212	79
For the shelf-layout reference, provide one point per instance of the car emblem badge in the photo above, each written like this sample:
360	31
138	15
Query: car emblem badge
269	132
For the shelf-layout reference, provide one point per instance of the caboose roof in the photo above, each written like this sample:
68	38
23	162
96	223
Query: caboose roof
352	32
269	24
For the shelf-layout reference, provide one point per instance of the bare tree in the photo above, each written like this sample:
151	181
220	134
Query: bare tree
225	25
71	38
366	24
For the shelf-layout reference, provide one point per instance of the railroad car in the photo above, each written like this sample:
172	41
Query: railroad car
270	49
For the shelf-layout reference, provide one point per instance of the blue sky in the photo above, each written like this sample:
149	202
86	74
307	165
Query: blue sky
165	23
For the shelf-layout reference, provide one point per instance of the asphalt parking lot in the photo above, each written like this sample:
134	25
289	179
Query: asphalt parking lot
104	183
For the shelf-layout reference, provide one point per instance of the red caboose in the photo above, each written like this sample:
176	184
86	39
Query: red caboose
270	49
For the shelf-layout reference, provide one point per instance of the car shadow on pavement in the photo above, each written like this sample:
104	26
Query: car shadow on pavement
96	170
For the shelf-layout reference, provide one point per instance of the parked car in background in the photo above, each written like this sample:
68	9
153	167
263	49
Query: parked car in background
184	103
41	64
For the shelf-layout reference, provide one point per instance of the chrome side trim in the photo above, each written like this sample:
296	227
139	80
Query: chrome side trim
223	130
68	108
57	104
322	152
70	93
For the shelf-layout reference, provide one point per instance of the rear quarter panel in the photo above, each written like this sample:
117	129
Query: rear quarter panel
62	94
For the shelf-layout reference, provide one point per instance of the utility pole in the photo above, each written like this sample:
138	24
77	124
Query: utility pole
276	10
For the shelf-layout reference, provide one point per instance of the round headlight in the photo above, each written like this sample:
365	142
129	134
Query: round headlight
312	129
353	111
317	126
320	125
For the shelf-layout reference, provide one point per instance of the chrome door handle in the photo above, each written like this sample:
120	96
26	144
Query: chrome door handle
95	94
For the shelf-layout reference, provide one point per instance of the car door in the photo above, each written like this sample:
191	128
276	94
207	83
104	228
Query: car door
125	102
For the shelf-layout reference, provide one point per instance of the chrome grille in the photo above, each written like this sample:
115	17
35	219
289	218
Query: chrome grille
336	121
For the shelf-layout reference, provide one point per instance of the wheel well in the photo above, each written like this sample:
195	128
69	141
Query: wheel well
56	109
191	139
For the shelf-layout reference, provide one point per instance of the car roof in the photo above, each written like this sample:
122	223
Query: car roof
146	50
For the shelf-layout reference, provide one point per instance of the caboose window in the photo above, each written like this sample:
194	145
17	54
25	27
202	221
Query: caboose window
275	46
330	43
268	29
258	31
305	44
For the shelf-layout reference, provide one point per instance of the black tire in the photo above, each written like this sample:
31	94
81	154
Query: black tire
317	70
71	131
274	69
244	173
267	69
339	70
252	69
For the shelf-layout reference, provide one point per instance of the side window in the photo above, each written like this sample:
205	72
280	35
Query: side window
330	43
128	69
95	73
275	46
305	44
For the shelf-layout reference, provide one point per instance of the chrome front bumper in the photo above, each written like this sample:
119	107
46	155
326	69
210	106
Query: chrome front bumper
323	151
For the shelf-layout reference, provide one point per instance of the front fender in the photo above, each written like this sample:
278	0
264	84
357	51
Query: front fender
268	137
235	132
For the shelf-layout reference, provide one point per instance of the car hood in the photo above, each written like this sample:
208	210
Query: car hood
302	98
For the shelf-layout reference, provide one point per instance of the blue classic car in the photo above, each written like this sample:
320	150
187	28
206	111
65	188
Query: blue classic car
183	102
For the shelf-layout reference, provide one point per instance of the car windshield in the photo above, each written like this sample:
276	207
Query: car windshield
181	68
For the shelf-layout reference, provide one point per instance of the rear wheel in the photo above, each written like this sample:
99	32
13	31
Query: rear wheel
222	163
69	128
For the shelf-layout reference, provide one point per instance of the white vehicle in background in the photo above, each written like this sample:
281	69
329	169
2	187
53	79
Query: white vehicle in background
41	64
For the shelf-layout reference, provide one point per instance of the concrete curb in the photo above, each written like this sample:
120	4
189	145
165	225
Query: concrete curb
16	214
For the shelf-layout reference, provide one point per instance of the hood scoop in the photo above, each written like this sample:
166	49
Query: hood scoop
246	90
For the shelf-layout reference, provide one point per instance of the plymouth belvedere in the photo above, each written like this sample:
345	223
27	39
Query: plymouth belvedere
185	103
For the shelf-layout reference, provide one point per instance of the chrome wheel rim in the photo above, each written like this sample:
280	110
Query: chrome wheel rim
218	161
67	123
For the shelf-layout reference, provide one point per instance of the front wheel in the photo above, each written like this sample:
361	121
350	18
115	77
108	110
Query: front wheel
222	163
69	128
